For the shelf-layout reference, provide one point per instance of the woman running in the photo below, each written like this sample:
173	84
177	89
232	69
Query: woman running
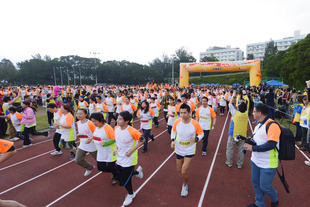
28	121
104	139
85	133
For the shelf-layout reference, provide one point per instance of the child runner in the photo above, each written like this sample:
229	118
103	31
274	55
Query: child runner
104	139
85	130
128	140
57	114
67	129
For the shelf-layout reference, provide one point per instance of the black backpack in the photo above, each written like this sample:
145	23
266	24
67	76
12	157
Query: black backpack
286	151
287	143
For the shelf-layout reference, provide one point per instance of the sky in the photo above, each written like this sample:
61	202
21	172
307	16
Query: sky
142	30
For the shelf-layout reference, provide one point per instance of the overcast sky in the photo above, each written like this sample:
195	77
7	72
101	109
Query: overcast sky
142	30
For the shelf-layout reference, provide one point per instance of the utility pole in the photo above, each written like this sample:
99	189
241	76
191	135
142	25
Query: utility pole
95	53
54	75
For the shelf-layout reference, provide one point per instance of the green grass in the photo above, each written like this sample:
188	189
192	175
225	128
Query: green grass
288	124
227	79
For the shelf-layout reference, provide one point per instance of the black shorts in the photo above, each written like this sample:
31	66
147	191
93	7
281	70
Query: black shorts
179	157
124	174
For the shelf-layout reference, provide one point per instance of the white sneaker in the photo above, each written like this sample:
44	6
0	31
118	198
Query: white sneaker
24	146
307	163
87	172
14	139
184	191
204	153
56	153
140	175
52	127
128	199
48	135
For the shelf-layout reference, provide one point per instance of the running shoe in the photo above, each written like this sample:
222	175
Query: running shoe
229	165
204	153
114	182
140	172
72	156
87	172
28	145
307	163
52	127
152	137
56	153
184	191
14	139
48	135
128	199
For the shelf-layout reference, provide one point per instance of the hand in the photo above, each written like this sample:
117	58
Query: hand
192	140
128	153
212	128
114	152
172	144
247	147
101	143
88	141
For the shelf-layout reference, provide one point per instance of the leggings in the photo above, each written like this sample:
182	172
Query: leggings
124	177
108	167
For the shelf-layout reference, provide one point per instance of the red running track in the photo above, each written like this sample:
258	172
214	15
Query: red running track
46	179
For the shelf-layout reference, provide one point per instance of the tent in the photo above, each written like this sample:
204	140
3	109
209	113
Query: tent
217	84
211	84
207	84
193	84
274	83
202	84
236	84
247	84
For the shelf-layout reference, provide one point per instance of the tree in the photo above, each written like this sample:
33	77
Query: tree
181	56
271	49
8	71
210	58
250	57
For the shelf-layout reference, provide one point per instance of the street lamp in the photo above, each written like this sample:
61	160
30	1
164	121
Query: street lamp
95	53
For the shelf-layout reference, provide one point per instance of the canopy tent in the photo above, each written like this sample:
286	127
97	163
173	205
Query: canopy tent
275	83
236	84
217	84
193	84
202	84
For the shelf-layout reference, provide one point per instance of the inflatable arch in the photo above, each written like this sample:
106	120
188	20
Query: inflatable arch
229	66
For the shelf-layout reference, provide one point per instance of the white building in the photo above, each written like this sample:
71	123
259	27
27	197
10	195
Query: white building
224	53
258	49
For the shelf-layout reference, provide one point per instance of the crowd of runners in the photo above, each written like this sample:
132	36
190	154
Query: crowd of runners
101	117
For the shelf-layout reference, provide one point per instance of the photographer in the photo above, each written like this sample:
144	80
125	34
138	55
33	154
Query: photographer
264	158
238	125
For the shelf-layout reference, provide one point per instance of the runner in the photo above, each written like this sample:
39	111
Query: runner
7	149
145	115
184	142
172	114
104	139
203	116
128	140
110	102
156	108
85	130
57	114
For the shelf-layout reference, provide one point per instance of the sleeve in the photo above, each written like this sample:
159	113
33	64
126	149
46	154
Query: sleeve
213	114
135	134
138	113
105	107
274	132
197	112
91	126
69	120
18	116
121	107
177	108
232	110
9	116
133	107
174	129
197	101
152	112
113	101
198	129
86	104
299	109
158	105
110	132
269	145
105	101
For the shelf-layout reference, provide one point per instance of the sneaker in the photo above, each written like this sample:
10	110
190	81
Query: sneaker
87	172
56	153
114	182
152	137
48	135
128	199
31	140
14	139
184	191
51	127
204	153
229	165
140	174
72	156
144	150
239	166
307	163
28	145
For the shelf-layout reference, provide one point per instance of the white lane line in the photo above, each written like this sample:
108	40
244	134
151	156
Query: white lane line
295	146
17	163
149	178
35	144
212	165
27	181
61	197
58	199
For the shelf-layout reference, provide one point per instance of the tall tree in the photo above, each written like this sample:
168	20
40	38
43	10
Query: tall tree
271	49
210	58
250	57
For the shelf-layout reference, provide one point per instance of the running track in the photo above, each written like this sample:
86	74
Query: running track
35	178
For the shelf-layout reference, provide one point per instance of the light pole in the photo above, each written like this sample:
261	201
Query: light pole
95	53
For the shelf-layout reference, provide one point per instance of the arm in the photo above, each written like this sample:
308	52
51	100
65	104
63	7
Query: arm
269	145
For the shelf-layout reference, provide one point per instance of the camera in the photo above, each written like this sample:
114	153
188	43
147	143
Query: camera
248	140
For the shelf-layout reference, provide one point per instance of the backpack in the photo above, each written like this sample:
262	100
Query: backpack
286	151
286	143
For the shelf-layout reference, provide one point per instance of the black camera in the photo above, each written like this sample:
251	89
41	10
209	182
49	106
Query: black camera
247	140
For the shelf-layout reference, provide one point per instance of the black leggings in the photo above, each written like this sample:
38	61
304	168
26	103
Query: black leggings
107	167
56	140
33	131
222	109
124	177
50	117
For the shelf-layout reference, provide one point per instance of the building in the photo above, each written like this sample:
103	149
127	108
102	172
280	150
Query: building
258	49
224	53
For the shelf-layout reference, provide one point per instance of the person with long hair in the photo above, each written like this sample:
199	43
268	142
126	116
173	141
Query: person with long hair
146	115
66	125
28	121
104	139
85	133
